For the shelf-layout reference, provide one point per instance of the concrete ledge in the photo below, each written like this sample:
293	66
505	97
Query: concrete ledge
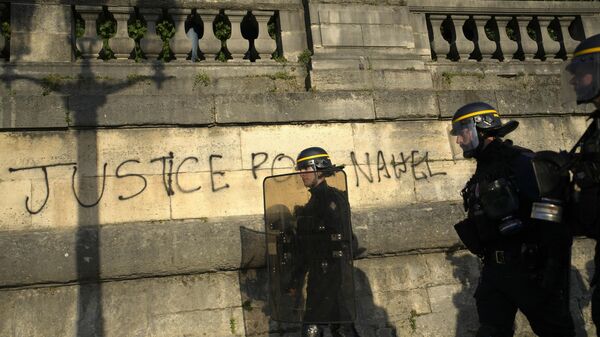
138	110
294	107
33	112
182	247
406	104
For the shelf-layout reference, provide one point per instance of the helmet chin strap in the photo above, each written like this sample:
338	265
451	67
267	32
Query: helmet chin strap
484	140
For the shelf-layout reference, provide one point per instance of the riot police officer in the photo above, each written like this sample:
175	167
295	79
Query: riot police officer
323	232
582	84
524	268
310	246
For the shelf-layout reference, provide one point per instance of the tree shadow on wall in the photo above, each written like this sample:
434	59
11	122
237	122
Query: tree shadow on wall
466	270
88	180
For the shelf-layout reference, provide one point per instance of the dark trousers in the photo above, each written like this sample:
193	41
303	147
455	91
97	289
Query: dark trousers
504	289
596	309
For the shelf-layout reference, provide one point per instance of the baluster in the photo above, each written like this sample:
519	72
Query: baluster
90	43
551	47
3	10
440	46
463	45
530	46
509	47
151	44
237	45
487	47
264	44
180	44
209	44
121	43
569	42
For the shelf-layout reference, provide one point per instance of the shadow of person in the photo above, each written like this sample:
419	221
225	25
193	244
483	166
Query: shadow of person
254	280
580	299
466	268
371	319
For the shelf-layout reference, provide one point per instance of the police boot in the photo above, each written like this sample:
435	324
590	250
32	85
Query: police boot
343	330
311	330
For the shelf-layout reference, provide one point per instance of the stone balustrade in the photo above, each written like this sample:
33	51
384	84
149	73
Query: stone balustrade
148	33
460	37
4	25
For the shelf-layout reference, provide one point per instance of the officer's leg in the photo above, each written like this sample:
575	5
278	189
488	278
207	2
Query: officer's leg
547	311
495	309
596	308
343	330
312	330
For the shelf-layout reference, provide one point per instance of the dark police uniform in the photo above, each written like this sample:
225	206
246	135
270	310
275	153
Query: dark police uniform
323	238
525	261
514	265
311	247
581	85
585	210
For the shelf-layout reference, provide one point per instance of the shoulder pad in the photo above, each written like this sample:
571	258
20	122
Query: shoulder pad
556	159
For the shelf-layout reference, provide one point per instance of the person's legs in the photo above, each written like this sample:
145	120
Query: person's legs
495	309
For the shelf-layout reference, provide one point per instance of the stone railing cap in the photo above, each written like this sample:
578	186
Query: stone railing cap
505	7
199	4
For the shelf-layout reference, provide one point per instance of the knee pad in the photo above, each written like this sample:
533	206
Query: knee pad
492	331
312	330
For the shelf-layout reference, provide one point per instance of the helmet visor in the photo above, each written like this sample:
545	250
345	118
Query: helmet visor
580	80
463	138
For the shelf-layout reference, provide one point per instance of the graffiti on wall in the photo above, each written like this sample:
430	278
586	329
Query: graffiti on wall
372	170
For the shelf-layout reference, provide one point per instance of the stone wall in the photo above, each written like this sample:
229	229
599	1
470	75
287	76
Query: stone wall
132	191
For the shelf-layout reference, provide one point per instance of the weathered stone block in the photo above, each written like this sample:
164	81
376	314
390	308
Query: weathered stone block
15	213
533	101
179	305
219	194
402	79
337	35
99	110
40	33
424	137
126	250
357	14
450	101
394	35
442	180
406	104
410	227
33	111
559	133
294	107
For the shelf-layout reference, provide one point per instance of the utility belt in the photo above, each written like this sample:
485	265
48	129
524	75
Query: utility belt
528	256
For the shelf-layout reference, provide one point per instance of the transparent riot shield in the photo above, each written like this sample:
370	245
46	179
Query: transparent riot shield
309	248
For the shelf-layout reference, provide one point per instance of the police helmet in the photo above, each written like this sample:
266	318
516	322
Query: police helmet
583	72
314	157
473	122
